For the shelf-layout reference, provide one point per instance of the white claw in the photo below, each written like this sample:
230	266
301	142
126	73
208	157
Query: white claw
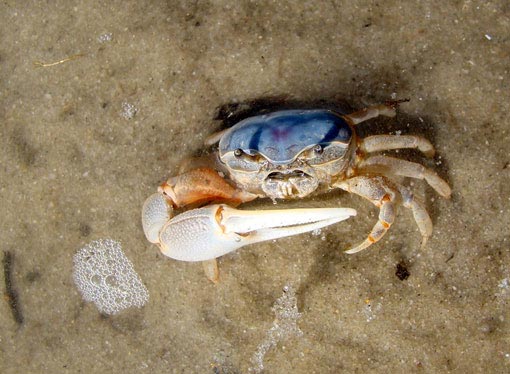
155	214
210	232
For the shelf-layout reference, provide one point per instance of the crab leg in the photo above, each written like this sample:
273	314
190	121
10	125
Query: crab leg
420	214
371	112
377	191
376	143
407	169
199	186
210	232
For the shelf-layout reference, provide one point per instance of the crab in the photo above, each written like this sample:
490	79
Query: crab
285	154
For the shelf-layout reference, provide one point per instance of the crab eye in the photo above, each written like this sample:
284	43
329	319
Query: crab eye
318	149
238	152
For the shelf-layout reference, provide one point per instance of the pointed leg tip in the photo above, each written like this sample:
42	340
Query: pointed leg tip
424	241
214	280
397	102
355	250
367	243
430	153
211	270
352	251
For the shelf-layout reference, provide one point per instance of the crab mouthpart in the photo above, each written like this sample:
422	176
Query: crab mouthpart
289	185
287	175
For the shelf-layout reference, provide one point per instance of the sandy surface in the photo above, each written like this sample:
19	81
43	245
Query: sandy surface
76	165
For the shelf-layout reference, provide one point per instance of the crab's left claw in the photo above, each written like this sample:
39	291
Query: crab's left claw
212	231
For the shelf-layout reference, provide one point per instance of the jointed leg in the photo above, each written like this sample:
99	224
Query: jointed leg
379	193
405	168
388	110
420	215
201	185
377	143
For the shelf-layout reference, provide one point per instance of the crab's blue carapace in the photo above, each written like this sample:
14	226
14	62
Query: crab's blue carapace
281	136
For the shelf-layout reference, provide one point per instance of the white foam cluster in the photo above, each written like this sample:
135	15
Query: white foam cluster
104	275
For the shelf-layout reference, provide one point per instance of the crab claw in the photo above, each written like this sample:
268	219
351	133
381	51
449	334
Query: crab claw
212	231
156	212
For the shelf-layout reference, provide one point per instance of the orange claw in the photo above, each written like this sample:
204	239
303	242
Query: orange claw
202	185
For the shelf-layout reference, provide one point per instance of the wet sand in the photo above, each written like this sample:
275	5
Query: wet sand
100	103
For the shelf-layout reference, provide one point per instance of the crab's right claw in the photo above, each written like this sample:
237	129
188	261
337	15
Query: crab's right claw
210	232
